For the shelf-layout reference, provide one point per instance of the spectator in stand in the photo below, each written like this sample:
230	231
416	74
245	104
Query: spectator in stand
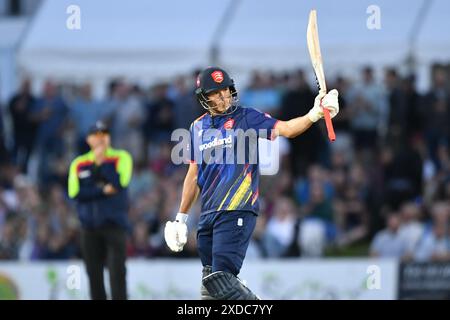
388	243
352	217
127	118
413	100
437	130
397	110
63	225
24	128
310	147
162	163
261	94
4	154
436	111
84	112
30	205
143	181
435	244
160	118
411	229
319	206
41	247
280	228
340	163
316	174
443	173
186	106
9	240
367	107
402	173
318	222
49	112
256	248
139	245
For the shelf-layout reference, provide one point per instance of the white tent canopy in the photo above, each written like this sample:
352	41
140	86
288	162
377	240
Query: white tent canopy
139	39
153	40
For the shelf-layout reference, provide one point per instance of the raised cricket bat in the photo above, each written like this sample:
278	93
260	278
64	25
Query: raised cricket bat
312	38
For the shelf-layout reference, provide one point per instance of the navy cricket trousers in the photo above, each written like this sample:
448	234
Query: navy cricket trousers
223	238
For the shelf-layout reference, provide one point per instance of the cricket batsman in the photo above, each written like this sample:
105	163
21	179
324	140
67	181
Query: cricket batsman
228	188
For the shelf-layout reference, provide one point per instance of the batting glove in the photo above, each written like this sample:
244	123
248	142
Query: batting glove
329	101
175	232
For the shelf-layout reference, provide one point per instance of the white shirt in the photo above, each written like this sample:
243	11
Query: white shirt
411	233
431	245
388	244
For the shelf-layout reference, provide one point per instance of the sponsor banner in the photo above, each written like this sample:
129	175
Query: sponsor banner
424	281
291	279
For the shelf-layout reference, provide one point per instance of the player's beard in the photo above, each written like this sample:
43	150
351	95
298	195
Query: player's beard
222	106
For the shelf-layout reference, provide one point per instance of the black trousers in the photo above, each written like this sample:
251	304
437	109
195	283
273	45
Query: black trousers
105	246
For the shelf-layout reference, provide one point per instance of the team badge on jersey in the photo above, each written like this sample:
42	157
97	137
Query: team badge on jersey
217	76
84	174
228	124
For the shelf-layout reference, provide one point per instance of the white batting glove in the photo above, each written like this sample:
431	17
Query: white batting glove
316	112
175	232
329	101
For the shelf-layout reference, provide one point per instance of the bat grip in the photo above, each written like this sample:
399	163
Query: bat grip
329	124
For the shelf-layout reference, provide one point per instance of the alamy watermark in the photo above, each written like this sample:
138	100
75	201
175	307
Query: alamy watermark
373	281
373	21
235	146
73	21
73	280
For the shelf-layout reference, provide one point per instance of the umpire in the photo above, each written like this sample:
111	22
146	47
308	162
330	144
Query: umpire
98	181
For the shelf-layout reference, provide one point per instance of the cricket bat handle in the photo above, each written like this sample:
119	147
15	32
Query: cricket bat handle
329	124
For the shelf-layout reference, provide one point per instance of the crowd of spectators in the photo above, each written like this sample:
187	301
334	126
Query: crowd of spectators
383	186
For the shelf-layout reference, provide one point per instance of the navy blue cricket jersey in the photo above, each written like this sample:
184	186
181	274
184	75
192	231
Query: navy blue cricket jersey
228	172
